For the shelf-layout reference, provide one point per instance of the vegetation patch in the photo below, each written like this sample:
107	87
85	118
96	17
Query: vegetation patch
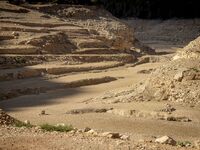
59	128
22	124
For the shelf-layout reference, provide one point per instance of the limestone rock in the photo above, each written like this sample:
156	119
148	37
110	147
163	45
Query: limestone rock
93	132
125	137
166	140
111	135
178	76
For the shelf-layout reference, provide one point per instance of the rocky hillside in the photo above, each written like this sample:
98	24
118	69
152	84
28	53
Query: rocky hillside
62	29
179	80
48	41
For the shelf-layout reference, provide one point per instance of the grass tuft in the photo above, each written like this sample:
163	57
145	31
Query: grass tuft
59	128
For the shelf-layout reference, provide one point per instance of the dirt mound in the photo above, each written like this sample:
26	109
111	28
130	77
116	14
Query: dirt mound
192	50
6	119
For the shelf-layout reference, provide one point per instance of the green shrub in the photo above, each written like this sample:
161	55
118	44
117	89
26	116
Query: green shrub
59	128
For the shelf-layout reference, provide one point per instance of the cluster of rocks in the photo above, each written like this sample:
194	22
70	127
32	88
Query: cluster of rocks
112	135
6	119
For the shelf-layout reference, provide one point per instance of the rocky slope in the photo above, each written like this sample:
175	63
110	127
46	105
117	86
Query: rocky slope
177	81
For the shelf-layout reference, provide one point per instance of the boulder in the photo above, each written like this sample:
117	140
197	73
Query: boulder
166	140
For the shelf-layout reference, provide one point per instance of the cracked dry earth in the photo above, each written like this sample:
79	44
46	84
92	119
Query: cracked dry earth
84	71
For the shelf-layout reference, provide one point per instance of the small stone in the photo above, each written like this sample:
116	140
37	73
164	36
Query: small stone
111	135
179	76
37	128
27	122
166	140
43	112
93	132
125	137
72	132
87	129
15	34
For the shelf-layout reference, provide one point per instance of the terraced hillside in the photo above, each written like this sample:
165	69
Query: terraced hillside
79	65
41	45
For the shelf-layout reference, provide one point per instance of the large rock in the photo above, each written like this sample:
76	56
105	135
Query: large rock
166	140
